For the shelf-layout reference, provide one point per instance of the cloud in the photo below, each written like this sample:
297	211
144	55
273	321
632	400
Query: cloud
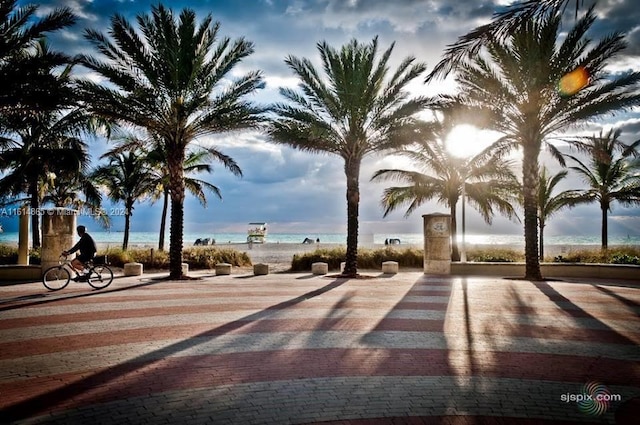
298	191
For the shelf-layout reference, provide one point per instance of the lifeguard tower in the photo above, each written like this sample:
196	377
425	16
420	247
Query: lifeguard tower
257	233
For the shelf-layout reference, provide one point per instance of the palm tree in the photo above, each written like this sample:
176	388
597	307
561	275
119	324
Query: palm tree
514	85
45	143
77	191
28	85
172	78
195	162
549	204
613	173
126	178
351	112
489	183
502	26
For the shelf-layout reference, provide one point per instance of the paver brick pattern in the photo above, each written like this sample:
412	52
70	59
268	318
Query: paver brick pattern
295	348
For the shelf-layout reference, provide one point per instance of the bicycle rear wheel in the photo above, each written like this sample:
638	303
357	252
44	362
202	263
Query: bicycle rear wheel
56	278
100	277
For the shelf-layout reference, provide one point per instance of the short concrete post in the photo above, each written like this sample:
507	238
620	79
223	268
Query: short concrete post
23	237
185	268
58	230
319	268
260	269
342	264
223	269
437	243
390	267
133	269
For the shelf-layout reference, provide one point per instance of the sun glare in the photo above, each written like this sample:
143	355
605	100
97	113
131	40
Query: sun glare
466	140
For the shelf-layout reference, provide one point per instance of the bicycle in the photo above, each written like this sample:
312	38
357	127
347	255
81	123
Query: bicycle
55	278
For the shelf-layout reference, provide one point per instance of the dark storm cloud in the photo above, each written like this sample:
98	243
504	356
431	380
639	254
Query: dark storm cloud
617	16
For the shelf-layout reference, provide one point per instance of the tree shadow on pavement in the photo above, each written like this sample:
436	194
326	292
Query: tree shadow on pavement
96	387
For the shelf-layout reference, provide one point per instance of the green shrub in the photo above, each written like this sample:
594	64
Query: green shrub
9	255
617	255
367	258
625	259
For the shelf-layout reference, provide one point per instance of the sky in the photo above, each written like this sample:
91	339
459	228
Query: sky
297	192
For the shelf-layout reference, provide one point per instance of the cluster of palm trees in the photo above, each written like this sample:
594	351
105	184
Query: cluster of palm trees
170	80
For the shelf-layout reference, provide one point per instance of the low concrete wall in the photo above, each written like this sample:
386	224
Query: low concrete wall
19	273
579	270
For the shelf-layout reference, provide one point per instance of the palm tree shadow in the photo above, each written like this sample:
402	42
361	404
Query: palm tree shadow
629	303
64	297
430	362
553	348
49	400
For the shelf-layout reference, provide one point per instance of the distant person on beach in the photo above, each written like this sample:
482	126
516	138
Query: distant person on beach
318	240
87	247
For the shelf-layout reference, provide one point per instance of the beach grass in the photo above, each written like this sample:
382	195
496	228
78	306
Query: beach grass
495	255
367	258
196	257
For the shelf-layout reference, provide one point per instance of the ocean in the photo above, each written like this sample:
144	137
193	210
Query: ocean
151	238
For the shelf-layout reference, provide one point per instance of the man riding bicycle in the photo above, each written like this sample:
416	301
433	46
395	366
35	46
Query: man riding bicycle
87	247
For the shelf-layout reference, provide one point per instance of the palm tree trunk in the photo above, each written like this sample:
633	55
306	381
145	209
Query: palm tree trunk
530	195
163	219
455	252
176	182
605	226
35	216
542	224
352	172
127	223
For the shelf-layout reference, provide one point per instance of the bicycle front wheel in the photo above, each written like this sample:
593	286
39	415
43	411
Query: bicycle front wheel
56	278
100	277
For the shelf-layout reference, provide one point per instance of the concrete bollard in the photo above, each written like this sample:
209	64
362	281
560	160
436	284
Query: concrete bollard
342	265
223	269
390	267
260	269
133	269
185	268
320	268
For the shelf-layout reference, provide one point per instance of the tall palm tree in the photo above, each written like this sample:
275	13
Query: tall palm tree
28	86
514	84
45	143
173	79
612	174
503	24
489	183
195	162
548	203
126	178
352	111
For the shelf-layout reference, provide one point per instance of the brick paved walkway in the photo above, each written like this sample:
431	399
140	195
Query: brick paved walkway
294	348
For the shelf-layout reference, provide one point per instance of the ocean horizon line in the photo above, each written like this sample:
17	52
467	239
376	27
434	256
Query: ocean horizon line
189	238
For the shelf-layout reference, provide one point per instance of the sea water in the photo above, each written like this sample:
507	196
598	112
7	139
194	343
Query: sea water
151	238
